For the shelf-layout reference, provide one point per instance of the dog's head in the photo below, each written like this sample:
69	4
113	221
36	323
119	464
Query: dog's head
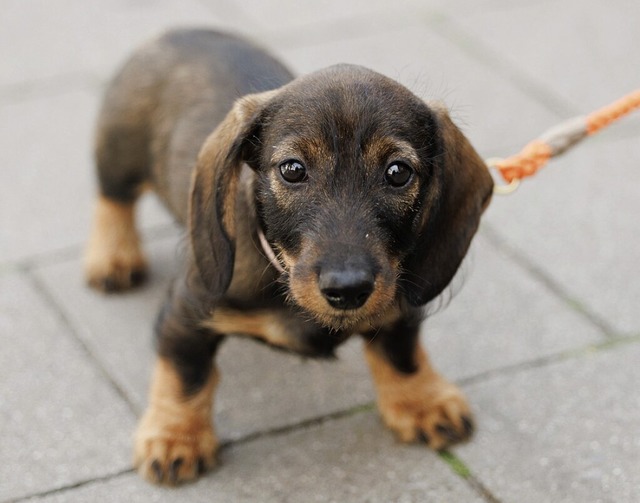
367	193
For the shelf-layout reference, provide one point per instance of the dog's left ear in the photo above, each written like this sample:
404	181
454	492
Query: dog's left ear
212	220
464	192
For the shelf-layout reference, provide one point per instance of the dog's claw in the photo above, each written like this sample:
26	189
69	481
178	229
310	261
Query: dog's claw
202	466
119	281
423	437
448	432
137	277
468	426
109	285
156	468
174	468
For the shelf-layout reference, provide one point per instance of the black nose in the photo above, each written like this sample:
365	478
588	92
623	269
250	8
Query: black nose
346	288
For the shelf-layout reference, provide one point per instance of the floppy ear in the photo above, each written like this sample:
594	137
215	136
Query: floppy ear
464	192
214	185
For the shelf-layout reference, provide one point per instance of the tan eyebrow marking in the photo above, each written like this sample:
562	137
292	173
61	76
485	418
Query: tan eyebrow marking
306	150
389	149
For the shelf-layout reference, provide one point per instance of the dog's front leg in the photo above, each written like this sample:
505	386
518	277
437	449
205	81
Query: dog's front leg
414	400
175	440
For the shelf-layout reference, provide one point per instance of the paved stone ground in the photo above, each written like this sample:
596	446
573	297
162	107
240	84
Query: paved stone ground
544	335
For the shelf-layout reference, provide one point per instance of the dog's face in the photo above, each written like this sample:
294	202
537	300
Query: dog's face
367	194
345	175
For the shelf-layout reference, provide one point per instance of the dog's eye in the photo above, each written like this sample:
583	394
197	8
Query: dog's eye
293	171
398	174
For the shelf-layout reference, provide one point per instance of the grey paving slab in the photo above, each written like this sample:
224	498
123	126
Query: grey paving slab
481	102
261	388
582	51
564	433
352	459
578	221
61	420
117	328
269	15
48	182
40	39
339	19
500	316
465	8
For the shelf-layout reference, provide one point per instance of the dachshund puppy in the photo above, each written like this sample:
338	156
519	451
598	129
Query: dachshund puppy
324	206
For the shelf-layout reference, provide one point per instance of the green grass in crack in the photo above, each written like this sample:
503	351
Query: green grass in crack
456	464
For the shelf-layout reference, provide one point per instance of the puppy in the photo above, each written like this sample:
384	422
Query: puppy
333	204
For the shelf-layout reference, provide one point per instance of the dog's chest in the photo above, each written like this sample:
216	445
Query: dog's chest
281	327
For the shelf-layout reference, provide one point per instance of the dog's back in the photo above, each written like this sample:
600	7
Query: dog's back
164	102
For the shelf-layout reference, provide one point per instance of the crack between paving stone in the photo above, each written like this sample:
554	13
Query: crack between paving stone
498	241
50	299
481	489
301	425
475	47
460	468
73	251
544	361
227	444
519	367
75	485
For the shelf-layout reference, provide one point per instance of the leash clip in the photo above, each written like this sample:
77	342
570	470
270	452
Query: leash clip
501	189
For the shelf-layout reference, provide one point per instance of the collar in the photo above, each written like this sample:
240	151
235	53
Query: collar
268	251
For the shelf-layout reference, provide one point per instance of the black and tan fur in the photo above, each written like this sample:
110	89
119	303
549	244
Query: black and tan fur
375	229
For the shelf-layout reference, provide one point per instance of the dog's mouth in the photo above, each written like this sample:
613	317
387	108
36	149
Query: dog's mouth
340	291
346	321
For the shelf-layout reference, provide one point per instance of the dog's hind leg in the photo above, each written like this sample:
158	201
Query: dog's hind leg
113	258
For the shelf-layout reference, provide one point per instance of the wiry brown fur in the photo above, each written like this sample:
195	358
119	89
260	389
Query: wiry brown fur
362	251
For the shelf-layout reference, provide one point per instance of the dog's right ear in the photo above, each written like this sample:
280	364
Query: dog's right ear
214	185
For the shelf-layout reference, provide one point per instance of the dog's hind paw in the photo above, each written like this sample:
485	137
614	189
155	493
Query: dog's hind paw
114	274
113	258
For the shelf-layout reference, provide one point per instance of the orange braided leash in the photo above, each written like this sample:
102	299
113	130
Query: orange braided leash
606	115
559	139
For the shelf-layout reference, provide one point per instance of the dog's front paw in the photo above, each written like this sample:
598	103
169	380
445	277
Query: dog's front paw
170	452
435	412
419	404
